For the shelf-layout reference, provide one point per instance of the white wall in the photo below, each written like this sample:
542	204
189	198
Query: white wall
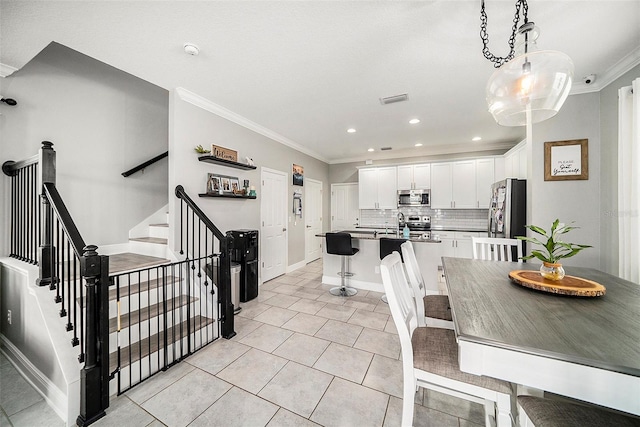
191	125
102	122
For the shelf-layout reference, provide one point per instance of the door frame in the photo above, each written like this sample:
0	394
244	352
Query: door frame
286	218
315	181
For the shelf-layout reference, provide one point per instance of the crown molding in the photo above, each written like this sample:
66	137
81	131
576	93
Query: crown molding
6	70
614	72
219	110
434	150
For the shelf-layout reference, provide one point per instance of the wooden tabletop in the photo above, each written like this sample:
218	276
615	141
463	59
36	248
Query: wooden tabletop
489	308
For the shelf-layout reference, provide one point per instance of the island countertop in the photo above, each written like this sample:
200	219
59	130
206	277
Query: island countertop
374	235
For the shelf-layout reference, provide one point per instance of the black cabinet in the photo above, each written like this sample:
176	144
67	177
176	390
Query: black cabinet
244	250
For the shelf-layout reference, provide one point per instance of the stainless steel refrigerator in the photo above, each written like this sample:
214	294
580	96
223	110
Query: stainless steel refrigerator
508	209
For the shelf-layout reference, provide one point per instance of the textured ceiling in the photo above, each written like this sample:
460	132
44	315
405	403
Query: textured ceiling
308	70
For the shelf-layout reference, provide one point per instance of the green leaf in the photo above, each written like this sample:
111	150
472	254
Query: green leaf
537	229
555	225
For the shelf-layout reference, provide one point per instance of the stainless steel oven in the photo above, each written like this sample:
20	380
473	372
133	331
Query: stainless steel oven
414	198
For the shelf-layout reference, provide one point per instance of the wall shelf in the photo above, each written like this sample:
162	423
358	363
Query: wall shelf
223	162
230	196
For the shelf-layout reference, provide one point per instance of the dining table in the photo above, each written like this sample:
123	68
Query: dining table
587	348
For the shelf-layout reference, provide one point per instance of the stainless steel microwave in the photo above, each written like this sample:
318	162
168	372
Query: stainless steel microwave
414	198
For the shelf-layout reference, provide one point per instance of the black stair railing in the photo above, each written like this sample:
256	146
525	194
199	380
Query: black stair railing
25	212
67	265
199	238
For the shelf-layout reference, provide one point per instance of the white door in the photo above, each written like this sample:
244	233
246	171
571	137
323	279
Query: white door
273	212
484	179
405	177
313	219
422	176
368	188
344	206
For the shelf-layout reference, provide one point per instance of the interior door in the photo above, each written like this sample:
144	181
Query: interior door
313	219
273	212
344	206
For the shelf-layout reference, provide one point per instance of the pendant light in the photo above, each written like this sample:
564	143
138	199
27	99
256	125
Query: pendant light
528	79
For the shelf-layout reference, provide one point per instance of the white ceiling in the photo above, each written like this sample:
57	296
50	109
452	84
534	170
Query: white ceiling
308	70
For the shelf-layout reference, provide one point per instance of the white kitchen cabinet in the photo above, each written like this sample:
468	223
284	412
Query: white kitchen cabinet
456	243
463	180
412	177
485	177
464	184
515	162
344	206
441	187
377	188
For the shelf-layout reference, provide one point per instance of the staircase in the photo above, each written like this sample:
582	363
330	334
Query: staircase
159	311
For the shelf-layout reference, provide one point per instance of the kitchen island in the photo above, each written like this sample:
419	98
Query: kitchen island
365	265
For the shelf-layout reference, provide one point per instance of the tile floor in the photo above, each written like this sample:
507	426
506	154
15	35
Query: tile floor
20	404
301	357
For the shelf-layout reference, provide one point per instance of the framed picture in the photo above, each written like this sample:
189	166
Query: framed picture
213	184
298	175
235	185
566	160
221	183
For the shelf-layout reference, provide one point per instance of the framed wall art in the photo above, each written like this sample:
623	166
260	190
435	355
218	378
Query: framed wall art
566	160
221	184
298	175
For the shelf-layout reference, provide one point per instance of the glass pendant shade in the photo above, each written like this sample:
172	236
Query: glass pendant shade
539	80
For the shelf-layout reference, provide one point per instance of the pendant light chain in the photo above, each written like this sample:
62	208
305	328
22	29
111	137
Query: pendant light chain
499	61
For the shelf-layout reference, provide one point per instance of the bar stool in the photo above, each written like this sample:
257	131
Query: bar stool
340	244
389	245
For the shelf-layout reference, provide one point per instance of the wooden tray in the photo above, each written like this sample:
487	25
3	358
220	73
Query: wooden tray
569	285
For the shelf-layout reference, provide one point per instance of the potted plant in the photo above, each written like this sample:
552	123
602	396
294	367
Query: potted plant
553	250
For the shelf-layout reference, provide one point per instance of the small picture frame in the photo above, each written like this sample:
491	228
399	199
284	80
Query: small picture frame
566	160
221	184
298	175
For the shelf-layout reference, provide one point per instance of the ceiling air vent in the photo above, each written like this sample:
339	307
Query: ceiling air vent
385	148
395	98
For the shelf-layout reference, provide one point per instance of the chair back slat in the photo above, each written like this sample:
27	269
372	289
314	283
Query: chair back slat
416	281
400	298
496	249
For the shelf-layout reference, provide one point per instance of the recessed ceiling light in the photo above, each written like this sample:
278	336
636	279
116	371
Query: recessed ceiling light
419	144
371	149
351	130
414	121
476	138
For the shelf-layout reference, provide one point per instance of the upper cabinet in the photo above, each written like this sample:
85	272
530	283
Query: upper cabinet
411	177
377	188
515	162
462	185
485	177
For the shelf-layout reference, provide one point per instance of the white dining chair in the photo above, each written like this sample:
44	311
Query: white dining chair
545	412
432	310
430	356
495	248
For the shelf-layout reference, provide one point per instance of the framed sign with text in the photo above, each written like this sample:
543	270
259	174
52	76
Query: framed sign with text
566	160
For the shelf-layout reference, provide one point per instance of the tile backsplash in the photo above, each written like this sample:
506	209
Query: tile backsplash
455	218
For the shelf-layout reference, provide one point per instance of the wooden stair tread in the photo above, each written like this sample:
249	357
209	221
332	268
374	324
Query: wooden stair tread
155	240
127	261
147	285
159	225
146	313
155	343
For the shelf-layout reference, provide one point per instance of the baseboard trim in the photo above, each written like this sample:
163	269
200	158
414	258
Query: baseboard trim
294	267
54	397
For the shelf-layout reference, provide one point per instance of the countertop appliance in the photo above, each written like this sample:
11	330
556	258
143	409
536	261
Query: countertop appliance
414	198
244	250
508	209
